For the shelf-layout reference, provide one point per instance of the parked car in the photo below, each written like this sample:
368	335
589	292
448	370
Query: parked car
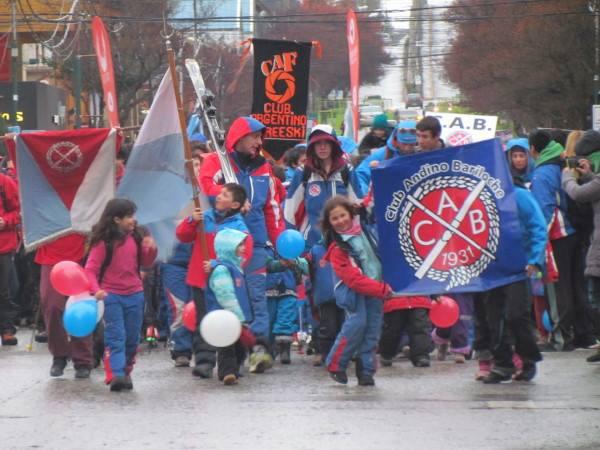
367	113
414	100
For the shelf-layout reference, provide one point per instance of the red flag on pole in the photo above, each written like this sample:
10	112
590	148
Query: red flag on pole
101	43
354	57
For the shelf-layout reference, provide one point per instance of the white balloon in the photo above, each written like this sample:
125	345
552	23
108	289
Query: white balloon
100	305
220	328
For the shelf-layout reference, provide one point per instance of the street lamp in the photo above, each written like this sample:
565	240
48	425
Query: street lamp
594	7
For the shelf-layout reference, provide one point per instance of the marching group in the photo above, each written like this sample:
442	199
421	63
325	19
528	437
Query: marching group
334	292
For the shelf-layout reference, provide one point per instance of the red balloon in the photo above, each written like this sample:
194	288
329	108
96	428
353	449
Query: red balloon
189	316
444	312
69	278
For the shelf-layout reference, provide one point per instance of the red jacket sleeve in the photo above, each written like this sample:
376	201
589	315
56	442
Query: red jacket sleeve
186	231
209	168
351	275
273	213
11	214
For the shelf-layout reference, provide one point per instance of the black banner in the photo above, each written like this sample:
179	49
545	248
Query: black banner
281	70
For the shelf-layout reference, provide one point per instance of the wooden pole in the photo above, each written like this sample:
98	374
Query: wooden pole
189	164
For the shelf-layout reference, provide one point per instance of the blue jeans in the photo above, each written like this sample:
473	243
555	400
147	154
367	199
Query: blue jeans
177	295
256	282
123	318
283	315
359	336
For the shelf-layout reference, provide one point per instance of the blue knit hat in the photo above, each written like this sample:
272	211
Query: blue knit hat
518	142
403	135
380	121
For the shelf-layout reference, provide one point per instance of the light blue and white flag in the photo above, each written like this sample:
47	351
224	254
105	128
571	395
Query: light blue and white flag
155	177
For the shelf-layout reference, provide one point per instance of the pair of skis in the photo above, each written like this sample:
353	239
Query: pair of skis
205	104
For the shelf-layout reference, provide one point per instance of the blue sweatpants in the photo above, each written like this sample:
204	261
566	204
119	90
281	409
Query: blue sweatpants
283	315
359	336
256	282
177	295
123	317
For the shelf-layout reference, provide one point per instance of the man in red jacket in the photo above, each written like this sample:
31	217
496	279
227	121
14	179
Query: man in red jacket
9	220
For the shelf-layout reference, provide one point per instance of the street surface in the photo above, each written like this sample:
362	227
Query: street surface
297	407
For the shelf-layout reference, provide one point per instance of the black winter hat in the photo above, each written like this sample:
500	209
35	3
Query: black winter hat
589	143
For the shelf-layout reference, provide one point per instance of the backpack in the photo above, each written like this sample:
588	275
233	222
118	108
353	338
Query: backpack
345	172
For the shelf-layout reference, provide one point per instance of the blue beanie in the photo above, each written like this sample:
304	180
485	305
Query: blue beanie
518	142
406	138
380	121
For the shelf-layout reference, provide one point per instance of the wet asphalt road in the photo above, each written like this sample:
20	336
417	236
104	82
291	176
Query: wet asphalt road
297	407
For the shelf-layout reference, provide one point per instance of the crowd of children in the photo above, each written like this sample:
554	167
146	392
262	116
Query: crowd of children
333	296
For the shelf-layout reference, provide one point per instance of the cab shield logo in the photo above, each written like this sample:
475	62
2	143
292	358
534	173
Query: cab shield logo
447	221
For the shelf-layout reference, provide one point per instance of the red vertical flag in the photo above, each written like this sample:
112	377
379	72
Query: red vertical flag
354	57
101	43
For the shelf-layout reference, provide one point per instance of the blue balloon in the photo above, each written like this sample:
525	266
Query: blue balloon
290	244
546	321
79	318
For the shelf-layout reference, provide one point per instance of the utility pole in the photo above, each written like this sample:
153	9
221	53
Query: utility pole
14	54
594	8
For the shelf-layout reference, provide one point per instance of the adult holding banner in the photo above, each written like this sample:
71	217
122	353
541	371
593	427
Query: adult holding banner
243	144
325	175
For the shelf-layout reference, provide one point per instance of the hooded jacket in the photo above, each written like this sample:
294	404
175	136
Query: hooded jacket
533	227
547	190
264	219
306	198
363	171
520	144
226	285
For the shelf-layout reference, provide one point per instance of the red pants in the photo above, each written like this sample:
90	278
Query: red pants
59	344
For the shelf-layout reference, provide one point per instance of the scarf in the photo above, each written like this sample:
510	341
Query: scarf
594	159
354	230
550	153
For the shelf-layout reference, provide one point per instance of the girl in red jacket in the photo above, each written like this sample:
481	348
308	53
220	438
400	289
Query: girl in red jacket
359	290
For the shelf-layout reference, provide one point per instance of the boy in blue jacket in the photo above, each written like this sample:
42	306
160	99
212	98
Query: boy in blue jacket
503	314
283	277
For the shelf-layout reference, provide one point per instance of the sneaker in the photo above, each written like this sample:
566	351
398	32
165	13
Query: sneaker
442	351
82	372
339	377
422	362
203	371
317	360
230	379
594	358
497	376
117	384
128	383
385	362
260	360
459	358
485	367
58	366
182	361
9	338
527	373
366	380
41	337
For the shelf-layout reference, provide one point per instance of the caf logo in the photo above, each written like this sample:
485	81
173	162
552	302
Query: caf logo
280	83
64	157
314	190
449	229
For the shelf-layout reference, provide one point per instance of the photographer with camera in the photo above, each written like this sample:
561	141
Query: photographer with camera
581	181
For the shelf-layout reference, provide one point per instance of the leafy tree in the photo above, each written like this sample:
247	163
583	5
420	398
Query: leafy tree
533	61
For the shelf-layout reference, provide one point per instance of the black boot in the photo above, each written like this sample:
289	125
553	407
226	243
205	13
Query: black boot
363	378
284	352
58	366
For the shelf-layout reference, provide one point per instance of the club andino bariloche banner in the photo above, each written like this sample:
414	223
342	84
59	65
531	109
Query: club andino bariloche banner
281	71
447	221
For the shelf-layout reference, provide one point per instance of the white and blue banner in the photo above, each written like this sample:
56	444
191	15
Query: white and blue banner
155	177
447	221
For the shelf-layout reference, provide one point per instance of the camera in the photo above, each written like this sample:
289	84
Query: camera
572	162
